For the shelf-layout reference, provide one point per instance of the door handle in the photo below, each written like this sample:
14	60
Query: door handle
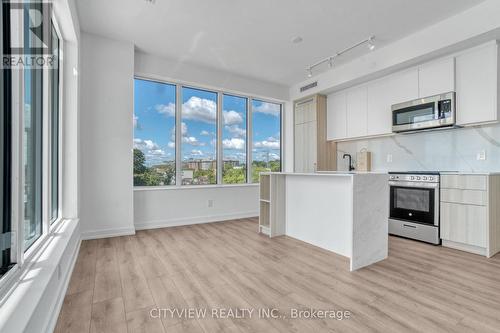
409	226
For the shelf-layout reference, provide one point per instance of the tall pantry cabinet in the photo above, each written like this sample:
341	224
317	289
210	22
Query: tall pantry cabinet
312	152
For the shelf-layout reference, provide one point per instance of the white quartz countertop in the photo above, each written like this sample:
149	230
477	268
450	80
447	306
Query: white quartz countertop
479	173
325	173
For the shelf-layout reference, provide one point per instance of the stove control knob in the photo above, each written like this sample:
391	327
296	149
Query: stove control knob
412	178
418	177
424	177
431	178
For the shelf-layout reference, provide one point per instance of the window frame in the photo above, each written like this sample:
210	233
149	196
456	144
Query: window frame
53	224
247	136
281	117
219	153
21	255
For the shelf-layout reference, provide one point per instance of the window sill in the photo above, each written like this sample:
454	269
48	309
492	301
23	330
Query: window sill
34	297
191	187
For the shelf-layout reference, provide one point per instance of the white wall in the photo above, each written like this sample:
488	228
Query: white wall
163	68
106	131
163	208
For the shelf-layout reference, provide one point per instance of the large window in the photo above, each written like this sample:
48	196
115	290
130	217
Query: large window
234	139
266	138
30	131
199	137
154	133
212	131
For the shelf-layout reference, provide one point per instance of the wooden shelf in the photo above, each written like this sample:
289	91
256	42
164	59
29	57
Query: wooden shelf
265	185
264	214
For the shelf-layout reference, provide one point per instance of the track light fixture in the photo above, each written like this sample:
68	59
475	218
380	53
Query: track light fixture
330	60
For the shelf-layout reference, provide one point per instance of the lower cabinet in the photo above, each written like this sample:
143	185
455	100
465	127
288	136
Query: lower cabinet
470	219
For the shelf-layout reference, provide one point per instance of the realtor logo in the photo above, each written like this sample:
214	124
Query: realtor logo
32	47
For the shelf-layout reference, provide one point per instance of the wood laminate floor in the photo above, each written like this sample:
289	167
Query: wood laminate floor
419	288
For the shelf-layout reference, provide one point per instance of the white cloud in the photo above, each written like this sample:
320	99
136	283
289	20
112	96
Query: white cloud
236	131
191	140
196	152
268	108
267	144
199	109
145	144
234	143
157	152
231	117
168	110
171	144
205	133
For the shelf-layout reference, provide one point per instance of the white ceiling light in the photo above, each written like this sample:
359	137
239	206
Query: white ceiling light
330	59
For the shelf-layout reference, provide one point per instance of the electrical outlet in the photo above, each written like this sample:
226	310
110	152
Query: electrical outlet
481	156
389	158
210	203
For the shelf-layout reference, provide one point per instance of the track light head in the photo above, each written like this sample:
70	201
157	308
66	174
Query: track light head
330	62
371	45
309	72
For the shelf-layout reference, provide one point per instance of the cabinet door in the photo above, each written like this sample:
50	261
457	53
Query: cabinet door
379	107
356	112
464	224
310	134
299	148
336	117
436	77
403	86
476	80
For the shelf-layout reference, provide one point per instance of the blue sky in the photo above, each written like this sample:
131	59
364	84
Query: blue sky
154	120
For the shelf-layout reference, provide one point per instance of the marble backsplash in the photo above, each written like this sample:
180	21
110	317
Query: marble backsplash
442	150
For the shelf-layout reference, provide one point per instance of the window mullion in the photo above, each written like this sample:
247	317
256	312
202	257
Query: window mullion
178	135
249	140
219	153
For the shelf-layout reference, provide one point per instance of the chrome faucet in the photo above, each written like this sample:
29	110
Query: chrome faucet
351	167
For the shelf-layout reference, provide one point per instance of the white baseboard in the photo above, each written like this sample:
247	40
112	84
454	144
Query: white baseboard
143	225
105	233
464	247
62	292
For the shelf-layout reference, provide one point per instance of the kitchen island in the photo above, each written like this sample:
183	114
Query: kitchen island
343	212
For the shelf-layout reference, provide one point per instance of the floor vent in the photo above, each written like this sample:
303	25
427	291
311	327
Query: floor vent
309	86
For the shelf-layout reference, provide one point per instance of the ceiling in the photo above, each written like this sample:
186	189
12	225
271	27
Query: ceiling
253	37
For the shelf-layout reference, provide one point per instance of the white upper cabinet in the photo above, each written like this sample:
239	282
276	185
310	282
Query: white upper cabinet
477	85
385	92
356	101
379	107
436	77
336	116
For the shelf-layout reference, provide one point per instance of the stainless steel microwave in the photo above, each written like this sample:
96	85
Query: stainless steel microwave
424	113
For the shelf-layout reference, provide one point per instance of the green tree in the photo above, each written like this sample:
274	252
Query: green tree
139	162
232	175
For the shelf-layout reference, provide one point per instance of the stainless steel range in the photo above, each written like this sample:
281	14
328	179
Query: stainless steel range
414	205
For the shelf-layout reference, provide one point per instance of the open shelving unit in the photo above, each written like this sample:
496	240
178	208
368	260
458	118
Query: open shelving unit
272	204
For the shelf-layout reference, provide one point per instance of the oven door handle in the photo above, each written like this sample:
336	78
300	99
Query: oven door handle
409	226
413	184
